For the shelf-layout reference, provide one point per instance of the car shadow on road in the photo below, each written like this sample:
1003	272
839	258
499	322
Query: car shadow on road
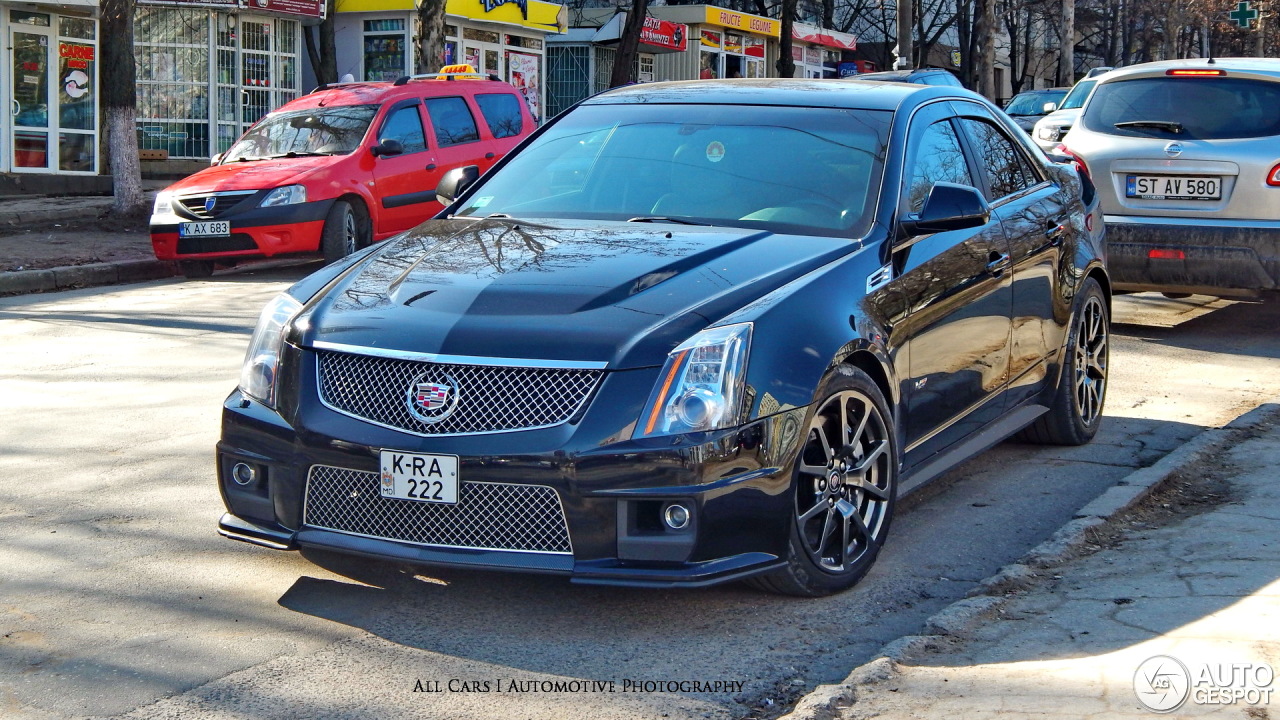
1233	329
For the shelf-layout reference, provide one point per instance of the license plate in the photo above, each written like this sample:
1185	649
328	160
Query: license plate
1173	187
219	228
414	476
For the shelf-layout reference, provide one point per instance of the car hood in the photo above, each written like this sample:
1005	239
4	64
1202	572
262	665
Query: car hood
1060	117
621	293
251	175
1026	122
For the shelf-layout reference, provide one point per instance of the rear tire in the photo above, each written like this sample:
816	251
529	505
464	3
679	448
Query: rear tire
1076	410
845	485
196	269
346	230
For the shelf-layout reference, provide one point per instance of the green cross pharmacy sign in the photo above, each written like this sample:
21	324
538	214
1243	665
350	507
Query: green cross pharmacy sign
1243	14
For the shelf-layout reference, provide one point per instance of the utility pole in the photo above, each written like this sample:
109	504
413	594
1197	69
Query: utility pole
905	21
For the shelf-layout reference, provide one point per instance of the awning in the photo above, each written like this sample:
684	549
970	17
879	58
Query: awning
533	14
822	36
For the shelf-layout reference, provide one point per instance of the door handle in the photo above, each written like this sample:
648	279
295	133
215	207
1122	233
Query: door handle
17	107
432	166
1055	232
997	263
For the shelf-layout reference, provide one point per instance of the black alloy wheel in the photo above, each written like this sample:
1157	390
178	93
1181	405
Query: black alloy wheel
346	230
846	485
1075	409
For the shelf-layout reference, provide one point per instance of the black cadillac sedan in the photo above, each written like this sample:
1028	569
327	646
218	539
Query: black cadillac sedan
687	333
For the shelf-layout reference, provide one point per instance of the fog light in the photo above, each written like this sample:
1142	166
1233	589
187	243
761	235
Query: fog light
243	473
676	516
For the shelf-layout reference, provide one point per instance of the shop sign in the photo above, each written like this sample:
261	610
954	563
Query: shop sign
665	34
743	21
305	8
77	56
489	5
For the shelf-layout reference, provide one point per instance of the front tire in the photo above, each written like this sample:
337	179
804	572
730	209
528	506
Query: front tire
1075	412
346	230
845	486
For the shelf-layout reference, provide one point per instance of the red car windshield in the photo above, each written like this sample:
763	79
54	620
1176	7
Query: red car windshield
318	131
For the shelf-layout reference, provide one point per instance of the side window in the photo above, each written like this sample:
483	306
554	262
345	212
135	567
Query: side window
1006	168
404	125
452	121
501	112
939	158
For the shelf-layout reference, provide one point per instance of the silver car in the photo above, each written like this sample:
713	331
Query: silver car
1185	155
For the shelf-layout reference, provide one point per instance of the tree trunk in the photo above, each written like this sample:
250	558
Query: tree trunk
786	63
430	40
1067	45
624	62
984	25
119	104
323	54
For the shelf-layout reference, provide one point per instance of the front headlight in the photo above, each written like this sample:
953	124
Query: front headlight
164	203
262	361
1048	132
287	195
701	386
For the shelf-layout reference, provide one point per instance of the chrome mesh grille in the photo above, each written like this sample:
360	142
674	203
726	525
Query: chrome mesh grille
489	399
489	516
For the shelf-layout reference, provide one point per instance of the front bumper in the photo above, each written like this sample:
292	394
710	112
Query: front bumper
1233	257
736	483
257	232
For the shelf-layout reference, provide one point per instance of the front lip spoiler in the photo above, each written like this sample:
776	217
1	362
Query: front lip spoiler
236	528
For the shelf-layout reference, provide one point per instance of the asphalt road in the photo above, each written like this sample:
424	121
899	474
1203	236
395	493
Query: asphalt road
117	597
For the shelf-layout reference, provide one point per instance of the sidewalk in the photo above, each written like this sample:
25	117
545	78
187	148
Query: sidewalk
52	243
1178	612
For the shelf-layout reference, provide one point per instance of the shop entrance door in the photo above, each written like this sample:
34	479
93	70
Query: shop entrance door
31	142
482	50
246	76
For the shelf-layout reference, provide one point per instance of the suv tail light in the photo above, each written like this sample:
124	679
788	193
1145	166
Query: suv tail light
1076	160
1273	177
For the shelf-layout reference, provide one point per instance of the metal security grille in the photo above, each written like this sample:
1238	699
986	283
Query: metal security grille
568	76
488	516
483	398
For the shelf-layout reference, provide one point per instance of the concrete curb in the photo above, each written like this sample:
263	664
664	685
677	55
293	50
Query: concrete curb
77	276
77	209
827	701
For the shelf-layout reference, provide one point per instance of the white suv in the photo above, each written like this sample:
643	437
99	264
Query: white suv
1050	129
1186	158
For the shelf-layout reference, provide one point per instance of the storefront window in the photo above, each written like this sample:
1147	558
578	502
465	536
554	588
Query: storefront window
732	55
81	28
22	17
480	35
385	49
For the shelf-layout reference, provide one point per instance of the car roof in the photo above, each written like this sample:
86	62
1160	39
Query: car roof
368	93
1267	67
849	93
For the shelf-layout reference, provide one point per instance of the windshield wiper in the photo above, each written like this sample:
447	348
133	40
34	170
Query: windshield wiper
1170	125
663	219
295	153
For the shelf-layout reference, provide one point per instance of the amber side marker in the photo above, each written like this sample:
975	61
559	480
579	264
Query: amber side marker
662	394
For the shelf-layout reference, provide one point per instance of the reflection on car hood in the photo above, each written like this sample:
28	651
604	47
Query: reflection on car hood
251	175
616	292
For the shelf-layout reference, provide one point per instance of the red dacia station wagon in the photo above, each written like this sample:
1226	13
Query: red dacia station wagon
347	165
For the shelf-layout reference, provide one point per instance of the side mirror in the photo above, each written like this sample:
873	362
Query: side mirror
949	207
1049	107
216	159
455	182
387	148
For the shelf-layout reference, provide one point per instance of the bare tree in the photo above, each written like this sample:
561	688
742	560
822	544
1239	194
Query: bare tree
119	102
624	62
786	63
430	38
323	54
